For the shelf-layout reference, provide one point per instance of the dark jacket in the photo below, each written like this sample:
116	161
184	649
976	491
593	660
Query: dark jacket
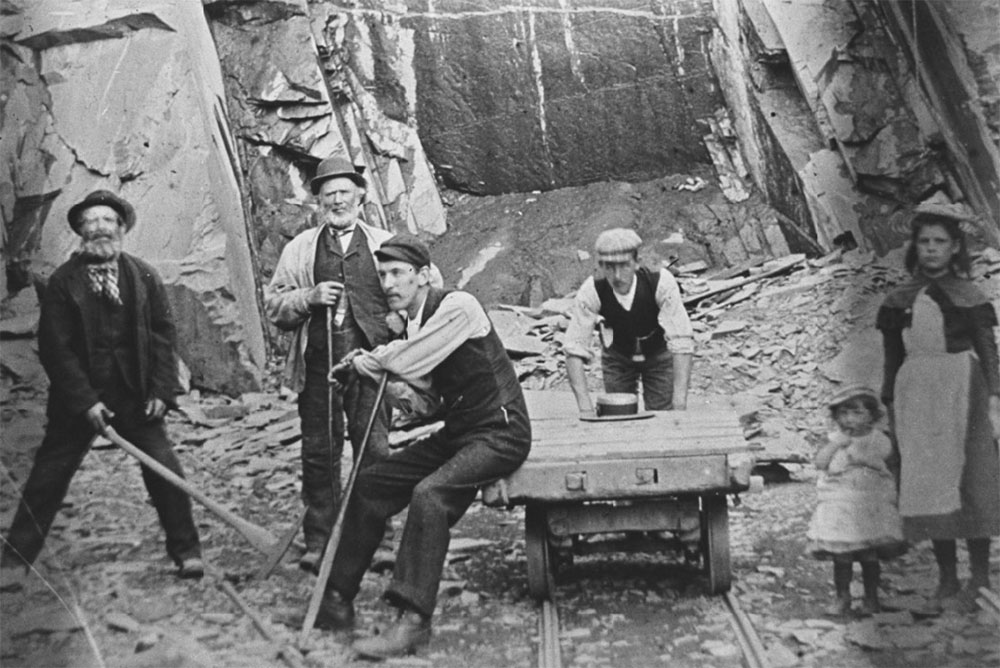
67	333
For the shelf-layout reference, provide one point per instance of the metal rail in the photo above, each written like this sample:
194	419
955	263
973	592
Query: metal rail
549	653
753	649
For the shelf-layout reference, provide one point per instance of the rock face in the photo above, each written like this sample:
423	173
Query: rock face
297	85
131	101
845	129
541	95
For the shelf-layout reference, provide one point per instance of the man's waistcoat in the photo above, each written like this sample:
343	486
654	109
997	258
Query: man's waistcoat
476	380
356	270
638	323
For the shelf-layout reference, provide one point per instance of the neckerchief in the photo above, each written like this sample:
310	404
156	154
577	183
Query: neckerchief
104	281
960	292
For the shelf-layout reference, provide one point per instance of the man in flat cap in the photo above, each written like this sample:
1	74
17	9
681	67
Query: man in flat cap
326	290
645	331
452	350
107	342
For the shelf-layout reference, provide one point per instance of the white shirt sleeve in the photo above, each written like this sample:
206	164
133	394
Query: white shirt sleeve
583	315
673	317
459	317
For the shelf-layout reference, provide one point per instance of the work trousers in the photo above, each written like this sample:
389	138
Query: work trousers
621	374
63	448
321	453
438	479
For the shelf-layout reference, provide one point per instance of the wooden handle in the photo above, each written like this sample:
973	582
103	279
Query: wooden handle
331	546
259	537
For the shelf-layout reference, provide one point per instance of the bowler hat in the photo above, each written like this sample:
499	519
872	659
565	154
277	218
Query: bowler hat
101	198
404	248
617	245
334	167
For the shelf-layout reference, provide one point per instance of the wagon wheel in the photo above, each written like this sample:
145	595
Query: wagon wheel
715	542
541	584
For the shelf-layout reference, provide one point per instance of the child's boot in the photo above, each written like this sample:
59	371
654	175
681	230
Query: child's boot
870	572
842	584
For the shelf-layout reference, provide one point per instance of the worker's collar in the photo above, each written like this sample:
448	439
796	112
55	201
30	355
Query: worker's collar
341	232
413	323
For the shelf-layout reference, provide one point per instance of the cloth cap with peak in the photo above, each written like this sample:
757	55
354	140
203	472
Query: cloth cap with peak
617	245
101	198
405	248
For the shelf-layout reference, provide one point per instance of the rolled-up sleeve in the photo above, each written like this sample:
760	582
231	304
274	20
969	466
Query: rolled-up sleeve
583	315
673	317
458	318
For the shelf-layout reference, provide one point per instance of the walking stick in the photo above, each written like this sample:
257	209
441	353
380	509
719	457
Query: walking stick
331	546
258	536
286	540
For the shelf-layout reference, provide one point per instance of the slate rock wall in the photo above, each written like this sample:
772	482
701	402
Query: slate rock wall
106	95
542	95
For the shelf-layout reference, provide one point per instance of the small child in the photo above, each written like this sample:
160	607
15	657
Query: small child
856	517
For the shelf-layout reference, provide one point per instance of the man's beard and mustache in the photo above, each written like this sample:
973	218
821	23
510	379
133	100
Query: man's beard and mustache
341	219
102	247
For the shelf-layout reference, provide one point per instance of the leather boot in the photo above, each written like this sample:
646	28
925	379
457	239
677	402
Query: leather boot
336	613
410	631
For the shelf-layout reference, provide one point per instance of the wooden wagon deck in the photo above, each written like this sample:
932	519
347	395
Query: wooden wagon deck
673	452
633	476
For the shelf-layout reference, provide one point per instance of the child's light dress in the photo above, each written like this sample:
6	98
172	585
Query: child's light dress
856	512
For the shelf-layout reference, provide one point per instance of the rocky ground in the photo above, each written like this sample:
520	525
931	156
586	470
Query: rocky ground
104	594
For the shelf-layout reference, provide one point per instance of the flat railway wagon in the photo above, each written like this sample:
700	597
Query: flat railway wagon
650	483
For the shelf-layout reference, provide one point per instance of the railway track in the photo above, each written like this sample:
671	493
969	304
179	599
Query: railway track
751	647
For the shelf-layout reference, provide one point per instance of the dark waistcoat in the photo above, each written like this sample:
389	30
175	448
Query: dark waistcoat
639	322
476	380
366	305
115	358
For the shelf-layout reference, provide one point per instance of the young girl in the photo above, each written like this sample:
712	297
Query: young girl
942	387
856	518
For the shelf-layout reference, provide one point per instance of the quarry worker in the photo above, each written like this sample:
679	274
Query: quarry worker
106	341
452	349
645	330
327	274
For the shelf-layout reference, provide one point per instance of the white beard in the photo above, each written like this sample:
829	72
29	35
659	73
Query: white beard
341	221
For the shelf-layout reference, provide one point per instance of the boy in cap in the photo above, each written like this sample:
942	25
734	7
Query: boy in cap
106	340
645	330
451	349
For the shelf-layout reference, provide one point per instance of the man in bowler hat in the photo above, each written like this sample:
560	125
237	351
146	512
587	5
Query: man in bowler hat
329	270
107	342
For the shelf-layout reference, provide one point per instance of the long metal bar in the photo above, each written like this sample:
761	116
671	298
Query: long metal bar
549	652
289	655
746	635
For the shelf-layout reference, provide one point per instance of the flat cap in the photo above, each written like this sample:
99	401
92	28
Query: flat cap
334	167
101	198
849	392
405	248
617	245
